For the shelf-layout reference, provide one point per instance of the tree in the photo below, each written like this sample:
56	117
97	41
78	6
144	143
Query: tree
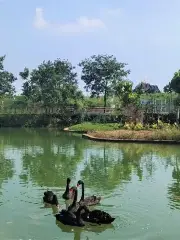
51	84
168	88
174	85
6	79
26	87
129	102
123	90
175	82
101	73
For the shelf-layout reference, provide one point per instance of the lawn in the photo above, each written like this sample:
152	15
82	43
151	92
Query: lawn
89	126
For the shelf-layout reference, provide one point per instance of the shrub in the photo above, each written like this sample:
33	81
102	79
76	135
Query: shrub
138	127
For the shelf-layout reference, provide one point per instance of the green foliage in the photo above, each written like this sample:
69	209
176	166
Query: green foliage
89	126
155	126
177	100
52	83
6	80
131	126
101	118
36	120
168	88
123	90
138	126
91	102
101	73
175	82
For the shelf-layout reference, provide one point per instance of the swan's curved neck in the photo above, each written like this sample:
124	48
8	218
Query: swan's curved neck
82	196
75	198
67	187
79	211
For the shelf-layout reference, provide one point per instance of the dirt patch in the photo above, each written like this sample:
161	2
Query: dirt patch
124	134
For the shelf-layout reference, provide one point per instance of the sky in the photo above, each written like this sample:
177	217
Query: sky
144	34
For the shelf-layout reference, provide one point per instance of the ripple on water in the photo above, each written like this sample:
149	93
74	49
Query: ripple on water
136	187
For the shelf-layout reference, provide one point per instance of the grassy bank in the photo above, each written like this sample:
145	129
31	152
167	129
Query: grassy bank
89	126
163	134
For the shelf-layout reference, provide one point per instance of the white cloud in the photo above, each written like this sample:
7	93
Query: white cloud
39	21
116	12
82	24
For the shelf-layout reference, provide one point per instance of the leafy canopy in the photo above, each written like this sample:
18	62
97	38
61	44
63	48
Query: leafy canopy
175	82
52	83
6	79
101	73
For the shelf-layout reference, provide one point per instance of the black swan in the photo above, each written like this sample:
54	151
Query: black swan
88	201
50	198
94	216
75	205
71	216
68	194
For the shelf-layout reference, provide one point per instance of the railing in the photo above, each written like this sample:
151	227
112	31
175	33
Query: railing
107	110
155	108
55	110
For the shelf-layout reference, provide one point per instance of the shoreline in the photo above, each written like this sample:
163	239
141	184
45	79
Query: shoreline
74	131
136	136
115	140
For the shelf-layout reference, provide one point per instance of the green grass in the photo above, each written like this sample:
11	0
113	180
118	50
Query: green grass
88	126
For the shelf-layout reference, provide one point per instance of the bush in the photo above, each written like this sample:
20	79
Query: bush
132	126
138	127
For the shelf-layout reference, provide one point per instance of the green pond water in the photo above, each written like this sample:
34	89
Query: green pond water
140	185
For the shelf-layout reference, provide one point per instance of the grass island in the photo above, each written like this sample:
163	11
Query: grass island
129	132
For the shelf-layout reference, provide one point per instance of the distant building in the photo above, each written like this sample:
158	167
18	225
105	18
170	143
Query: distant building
146	88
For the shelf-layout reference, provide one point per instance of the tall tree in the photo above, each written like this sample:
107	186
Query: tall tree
51	84
6	79
175	82
101	73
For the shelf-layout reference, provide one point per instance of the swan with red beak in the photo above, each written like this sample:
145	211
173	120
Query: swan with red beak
88	201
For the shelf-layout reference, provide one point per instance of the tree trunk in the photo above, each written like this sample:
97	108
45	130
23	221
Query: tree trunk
177	116
105	96
105	100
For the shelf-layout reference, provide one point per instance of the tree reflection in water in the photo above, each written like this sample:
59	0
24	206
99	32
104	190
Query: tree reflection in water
107	167
49	157
77	231
6	168
174	187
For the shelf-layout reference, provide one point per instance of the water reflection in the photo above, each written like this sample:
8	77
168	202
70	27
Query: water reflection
48	158
115	165
136	180
6	168
77	231
174	187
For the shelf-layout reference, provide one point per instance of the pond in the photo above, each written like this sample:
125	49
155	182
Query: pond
140	185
